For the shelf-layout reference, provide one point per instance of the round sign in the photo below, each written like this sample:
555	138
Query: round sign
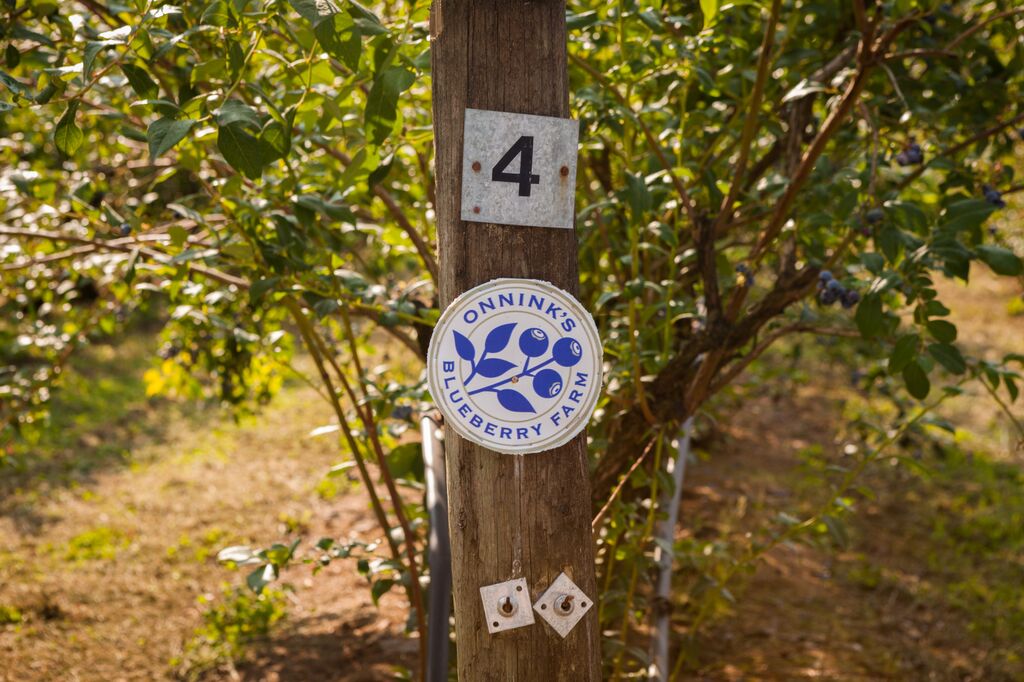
515	365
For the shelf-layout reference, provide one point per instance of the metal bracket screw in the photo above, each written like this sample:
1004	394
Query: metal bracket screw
507	605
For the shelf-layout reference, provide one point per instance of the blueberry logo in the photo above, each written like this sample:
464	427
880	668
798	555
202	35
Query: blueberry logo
533	342
515	365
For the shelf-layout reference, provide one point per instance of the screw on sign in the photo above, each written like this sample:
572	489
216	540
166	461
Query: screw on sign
515	365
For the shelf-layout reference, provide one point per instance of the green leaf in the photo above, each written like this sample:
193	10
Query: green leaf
67	135
275	141
178	234
92	49
235	111
217	14
261	577
382	102
967	214
709	8
1001	260
140	80
314	11
575	22
904	351
129	271
406	461
380	588
944	332
11	56
341	38
916	380
13	84
869	315
948	356
164	133
638	195
241	149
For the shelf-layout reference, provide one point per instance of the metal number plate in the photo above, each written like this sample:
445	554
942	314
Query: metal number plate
519	169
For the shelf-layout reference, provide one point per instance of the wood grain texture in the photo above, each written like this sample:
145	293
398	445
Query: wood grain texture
510	516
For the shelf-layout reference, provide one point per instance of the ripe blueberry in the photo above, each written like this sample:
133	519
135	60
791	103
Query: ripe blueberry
125	229
533	342
834	285
875	215
911	156
825	275
993	196
828	296
547	383
567	352
849	298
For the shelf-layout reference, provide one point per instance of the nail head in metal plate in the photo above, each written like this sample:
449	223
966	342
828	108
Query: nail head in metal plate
563	605
507	605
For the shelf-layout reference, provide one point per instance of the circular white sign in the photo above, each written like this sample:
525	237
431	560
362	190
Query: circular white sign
515	365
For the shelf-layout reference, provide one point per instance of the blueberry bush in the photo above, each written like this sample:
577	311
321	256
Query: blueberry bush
257	176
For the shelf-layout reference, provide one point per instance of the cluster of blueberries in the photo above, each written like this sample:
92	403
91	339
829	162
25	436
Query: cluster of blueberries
744	277
911	156
993	196
830	291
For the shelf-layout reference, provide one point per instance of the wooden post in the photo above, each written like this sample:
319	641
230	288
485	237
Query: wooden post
511	516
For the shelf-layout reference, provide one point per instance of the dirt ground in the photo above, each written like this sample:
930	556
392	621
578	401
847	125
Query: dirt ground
106	563
107	569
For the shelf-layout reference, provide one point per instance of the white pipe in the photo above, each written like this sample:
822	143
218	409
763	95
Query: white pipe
659	670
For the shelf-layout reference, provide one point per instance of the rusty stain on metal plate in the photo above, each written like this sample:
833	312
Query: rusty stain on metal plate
519	169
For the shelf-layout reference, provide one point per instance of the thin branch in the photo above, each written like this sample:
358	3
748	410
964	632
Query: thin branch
736	369
988	132
365	412
422	247
750	123
652	142
618	489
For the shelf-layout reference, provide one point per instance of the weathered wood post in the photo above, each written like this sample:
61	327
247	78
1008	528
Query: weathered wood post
511	516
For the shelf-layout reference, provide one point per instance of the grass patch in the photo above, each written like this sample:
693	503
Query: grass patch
100	543
230	624
10	615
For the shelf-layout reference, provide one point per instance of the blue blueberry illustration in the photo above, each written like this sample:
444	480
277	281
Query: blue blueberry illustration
547	383
567	352
533	342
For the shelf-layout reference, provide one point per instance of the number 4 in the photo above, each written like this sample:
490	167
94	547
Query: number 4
523	148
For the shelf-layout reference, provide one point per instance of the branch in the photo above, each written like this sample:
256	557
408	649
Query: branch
126	245
750	123
989	132
737	369
422	247
652	142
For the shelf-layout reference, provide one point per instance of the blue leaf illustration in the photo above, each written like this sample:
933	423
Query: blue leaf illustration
493	367
514	401
464	347
498	337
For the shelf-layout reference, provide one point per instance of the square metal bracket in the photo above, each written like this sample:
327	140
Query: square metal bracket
563	605
519	169
507	605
